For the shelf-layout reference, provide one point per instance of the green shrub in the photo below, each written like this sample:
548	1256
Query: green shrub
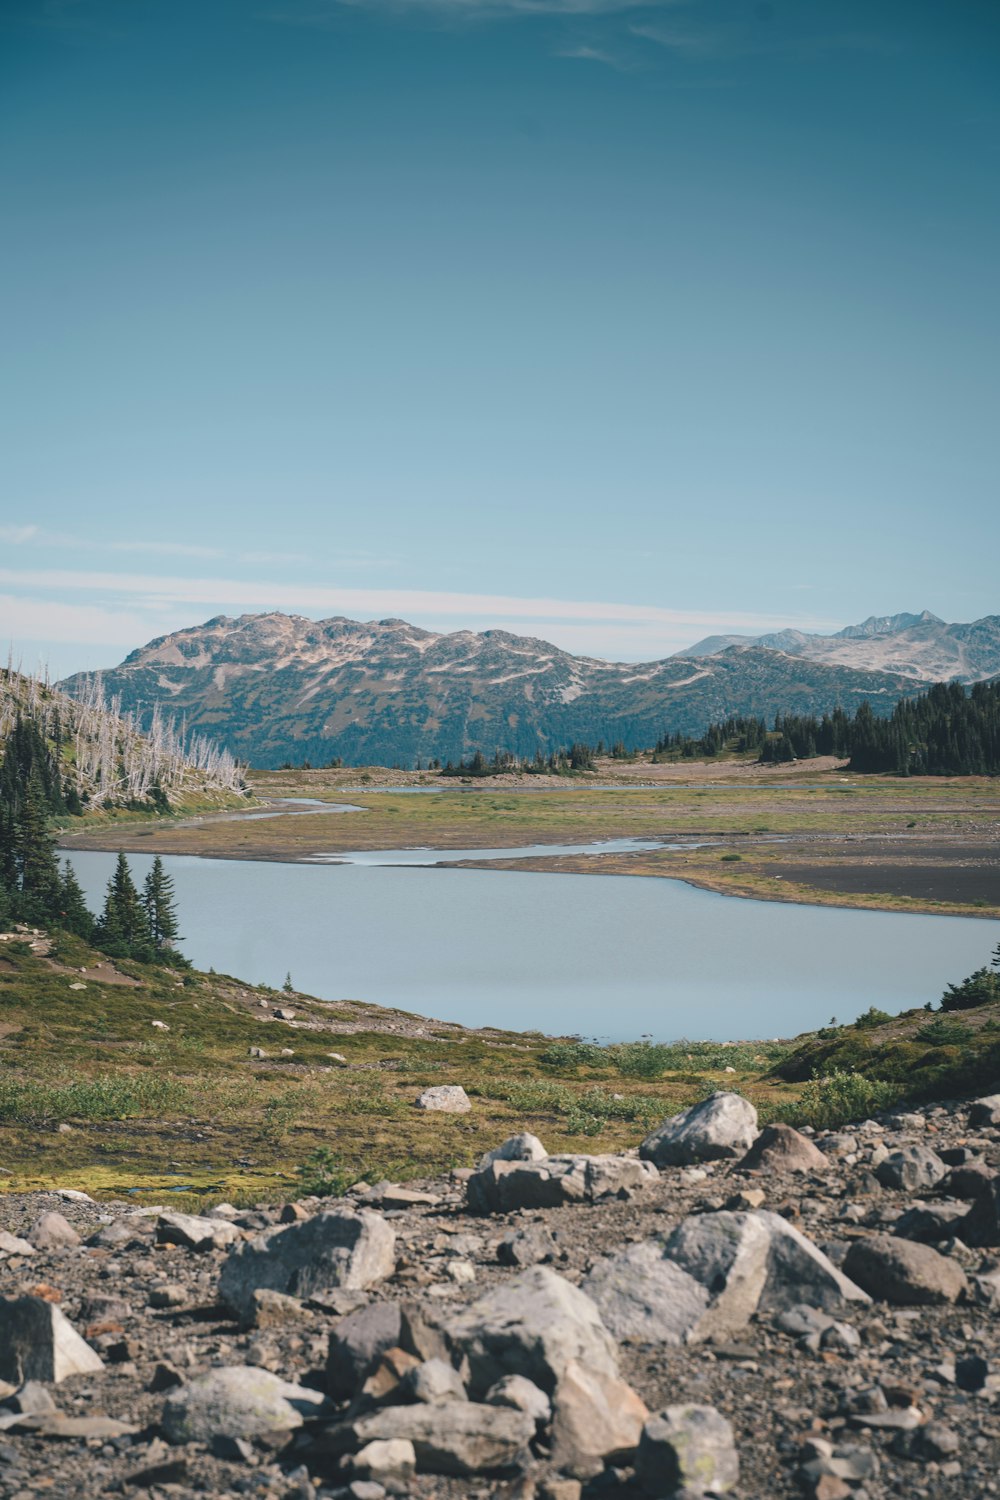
105	1098
871	1018
944	1033
981	988
321	1177
826	1103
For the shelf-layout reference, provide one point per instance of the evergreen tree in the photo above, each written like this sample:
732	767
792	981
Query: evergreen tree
35	861
123	929
74	915
158	902
6	908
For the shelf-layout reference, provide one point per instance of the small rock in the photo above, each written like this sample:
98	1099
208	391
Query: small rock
527	1247
523	1147
447	1098
38	1342
386	1459
597	1418
432	1382
779	1148
984	1111
194	1232
51	1231
912	1168
337	1248
522	1395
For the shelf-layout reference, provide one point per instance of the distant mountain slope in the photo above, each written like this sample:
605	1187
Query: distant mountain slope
275	687
920	647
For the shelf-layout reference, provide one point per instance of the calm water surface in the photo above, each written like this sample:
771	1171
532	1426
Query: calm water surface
606	956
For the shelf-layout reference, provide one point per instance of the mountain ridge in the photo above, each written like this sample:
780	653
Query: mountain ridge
276	687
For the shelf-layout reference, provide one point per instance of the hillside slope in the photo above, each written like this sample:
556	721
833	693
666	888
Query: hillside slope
274	687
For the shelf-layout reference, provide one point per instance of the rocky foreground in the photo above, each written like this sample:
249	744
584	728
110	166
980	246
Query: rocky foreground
724	1311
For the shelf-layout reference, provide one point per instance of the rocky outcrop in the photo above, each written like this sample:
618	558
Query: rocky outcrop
504	1185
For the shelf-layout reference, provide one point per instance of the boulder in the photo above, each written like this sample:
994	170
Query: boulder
687	1449
12	1244
533	1325
194	1232
779	1148
504	1186
901	1271
713	1273
523	1147
356	1343
527	1247
981	1225
38	1342
453	1437
596	1418
984	1111
720	1127
912	1168
446	1098
967	1180
338	1248
236	1401
51	1231
928	1223
392	1459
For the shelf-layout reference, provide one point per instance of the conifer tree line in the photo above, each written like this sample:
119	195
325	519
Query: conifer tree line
35	890
948	731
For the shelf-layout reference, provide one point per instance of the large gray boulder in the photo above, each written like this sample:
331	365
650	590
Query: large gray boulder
452	1437
902	1271
503	1185
38	1342
911	1168
688	1450
711	1275
533	1325
236	1401
718	1128
338	1248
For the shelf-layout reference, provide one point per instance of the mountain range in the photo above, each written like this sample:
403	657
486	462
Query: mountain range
276	687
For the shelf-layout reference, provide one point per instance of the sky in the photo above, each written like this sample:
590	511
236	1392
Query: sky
615	322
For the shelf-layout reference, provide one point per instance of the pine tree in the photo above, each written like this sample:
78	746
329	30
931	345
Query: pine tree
158	901
36	863
6	908
74	915
123	929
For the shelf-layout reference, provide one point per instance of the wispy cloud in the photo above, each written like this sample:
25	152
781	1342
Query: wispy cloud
16	536
595	54
39	537
164	593
322	13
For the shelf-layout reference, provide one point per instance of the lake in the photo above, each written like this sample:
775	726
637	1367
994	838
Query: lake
612	957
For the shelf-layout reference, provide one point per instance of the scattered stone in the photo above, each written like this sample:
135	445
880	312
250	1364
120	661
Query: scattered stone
929	1223
447	1098
981	1227
238	1401
276	1309
38	1342
687	1449
357	1342
722	1126
51	1231
338	1248
897	1270
966	1180
779	1148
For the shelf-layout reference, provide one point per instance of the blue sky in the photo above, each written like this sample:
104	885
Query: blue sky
612	323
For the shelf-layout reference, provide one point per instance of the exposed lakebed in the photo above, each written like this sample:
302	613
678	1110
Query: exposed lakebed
595	955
